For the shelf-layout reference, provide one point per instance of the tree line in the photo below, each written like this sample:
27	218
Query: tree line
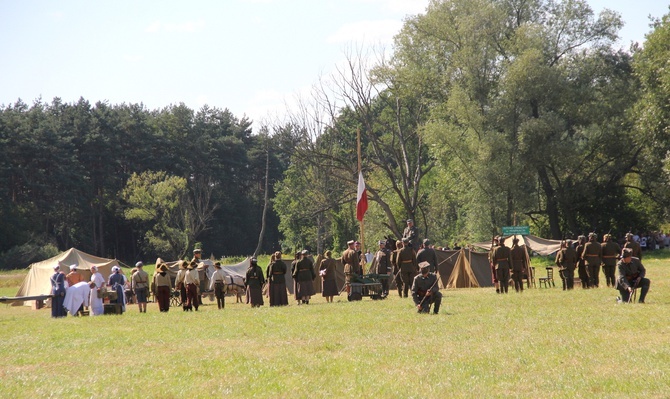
487	113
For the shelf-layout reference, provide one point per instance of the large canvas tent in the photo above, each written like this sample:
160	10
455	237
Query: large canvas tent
541	246
37	281
463	269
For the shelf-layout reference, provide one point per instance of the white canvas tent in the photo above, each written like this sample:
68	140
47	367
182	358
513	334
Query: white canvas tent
542	246
37	281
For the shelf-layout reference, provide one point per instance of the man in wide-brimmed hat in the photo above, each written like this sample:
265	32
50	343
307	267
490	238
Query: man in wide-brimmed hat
192	280
140	285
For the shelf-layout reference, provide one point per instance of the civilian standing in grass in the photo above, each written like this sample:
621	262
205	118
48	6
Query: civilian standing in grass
58	292
217	284
97	281
254	284
192	280
140	286
327	273
277	282
118	281
163	288
181	286
303	276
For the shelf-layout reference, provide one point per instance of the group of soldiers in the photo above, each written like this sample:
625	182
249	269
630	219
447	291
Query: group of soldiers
586	256
411	264
589	256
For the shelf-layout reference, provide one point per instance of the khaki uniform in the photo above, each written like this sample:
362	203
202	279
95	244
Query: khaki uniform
383	257
592	256
501	257
140	285
408	267
637	250
518	256
412	233
396	271
566	259
582	270
421	286
610	252
351	266
629	273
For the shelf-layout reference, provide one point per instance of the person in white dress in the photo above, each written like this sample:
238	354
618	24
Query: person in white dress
97	281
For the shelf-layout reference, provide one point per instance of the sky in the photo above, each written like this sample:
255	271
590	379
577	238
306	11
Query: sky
253	57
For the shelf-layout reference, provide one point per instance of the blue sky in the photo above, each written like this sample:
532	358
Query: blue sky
250	56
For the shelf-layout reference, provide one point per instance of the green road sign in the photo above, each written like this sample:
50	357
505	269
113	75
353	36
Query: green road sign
512	230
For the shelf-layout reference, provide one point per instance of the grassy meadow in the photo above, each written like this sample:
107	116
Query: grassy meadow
545	343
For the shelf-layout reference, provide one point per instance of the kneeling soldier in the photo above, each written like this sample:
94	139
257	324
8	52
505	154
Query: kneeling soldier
425	290
631	276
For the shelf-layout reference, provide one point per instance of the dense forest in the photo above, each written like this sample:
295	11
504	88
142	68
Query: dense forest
487	113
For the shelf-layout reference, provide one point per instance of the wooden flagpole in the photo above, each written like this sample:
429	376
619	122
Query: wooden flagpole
361	223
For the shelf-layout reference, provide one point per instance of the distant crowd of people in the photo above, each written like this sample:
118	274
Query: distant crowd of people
409	262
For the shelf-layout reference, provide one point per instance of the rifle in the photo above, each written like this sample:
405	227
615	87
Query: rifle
630	294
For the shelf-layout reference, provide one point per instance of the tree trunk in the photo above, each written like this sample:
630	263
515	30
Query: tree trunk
552	206
266	200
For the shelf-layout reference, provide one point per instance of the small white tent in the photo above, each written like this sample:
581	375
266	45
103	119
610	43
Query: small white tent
37	281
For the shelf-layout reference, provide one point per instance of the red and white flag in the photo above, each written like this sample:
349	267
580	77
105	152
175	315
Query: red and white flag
361	198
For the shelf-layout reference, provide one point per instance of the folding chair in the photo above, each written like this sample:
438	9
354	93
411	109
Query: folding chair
530	277
549	280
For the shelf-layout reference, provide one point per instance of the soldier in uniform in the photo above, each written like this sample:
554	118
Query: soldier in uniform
203	278
425	291
518	256
633	245
494	244
631	276
411	232
582	270
304	275
427	254
566	259
408	265
351	266
396	267
501	257
592	256
383	257
610	253
254	283
139	283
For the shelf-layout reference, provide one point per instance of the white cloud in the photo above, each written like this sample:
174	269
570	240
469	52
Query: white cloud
367	31
188	26
57	15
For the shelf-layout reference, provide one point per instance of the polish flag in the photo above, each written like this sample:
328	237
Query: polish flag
361	198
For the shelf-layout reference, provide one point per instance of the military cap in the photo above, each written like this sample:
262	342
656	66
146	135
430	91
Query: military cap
410	221
424	265
626	253
254	260
382	242
426	242
197	250
139	264
629	235
304	252
592	235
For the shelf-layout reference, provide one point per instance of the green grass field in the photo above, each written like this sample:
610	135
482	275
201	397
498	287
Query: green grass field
546	343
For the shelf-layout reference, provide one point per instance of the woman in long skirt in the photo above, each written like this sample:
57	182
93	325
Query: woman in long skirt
327	273
97	281
277	279
254	282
